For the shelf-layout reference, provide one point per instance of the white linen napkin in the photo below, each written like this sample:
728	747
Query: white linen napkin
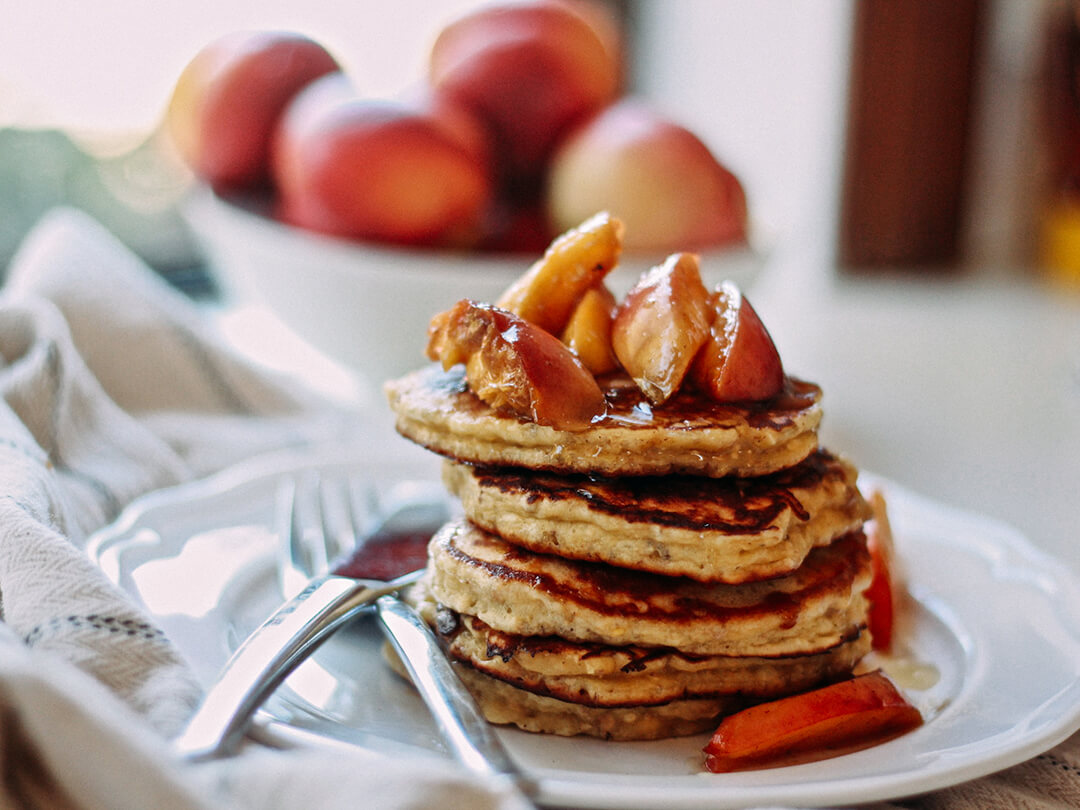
113	385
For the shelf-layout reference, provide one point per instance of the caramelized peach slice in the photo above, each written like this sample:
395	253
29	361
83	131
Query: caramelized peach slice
840	718
885	586
588	334
739	361
515	366
661	324
575	262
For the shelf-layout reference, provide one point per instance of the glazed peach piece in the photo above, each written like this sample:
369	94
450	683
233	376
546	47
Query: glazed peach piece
576	261
588	334
739	360
515	366
661	324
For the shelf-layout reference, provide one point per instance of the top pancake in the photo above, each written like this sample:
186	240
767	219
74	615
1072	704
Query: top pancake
687	435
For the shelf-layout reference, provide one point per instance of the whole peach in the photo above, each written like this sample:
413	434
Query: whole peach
531	70
455	118
228	98
377	170
659	178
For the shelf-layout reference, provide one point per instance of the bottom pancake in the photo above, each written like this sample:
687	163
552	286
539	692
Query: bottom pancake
554	686
504	704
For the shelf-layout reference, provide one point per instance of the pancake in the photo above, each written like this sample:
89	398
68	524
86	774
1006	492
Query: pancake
689	435
603	675
524	593
709	529
504	704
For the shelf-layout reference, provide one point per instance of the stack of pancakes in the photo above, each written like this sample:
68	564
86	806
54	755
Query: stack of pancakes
643	577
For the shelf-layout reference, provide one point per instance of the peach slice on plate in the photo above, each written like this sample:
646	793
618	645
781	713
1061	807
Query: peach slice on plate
840	718
661	324
885	587
515	366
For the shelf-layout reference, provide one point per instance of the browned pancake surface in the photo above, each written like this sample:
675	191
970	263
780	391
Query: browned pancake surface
709	529
604	675
518	591
687	435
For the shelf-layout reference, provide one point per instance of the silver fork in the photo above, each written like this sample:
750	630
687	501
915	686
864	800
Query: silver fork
324	521
322	605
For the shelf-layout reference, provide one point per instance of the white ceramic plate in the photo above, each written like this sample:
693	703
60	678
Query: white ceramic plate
998	619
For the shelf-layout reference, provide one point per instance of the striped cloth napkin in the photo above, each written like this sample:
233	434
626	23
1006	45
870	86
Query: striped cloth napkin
113	385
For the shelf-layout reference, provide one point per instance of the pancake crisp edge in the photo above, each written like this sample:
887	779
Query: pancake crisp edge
709	529
520	592
688	435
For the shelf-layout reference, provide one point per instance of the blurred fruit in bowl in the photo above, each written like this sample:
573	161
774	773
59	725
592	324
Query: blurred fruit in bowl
658	177
456	120
378	170
227	101
356	218
368	305
530	70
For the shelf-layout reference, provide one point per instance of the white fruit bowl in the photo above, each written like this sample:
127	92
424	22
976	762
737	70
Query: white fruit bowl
367	306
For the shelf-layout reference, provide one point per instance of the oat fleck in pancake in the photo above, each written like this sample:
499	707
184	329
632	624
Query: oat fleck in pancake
520	592
709	529
688	435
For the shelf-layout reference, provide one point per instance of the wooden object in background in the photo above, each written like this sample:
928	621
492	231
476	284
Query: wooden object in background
910	108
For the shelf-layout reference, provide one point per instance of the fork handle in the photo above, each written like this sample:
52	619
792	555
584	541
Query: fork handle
267	657
461	725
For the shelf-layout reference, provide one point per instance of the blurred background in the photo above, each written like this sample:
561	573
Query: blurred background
927	136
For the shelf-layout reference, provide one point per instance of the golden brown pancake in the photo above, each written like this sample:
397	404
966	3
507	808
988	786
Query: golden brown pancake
505	704
689	435
710	529
603	675
517	591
